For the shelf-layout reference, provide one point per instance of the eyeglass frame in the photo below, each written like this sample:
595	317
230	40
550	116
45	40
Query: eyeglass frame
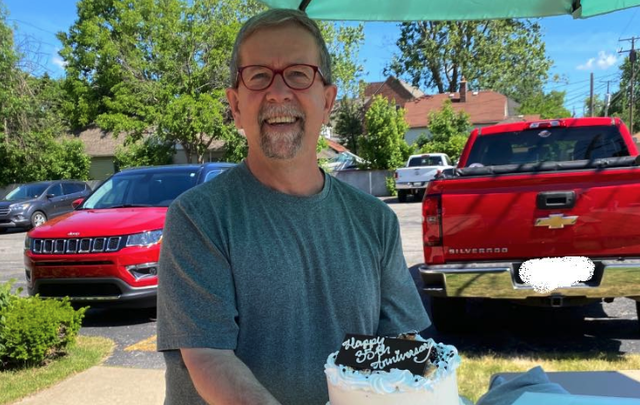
316	70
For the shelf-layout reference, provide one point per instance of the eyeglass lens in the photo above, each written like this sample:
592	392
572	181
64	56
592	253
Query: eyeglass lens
297	77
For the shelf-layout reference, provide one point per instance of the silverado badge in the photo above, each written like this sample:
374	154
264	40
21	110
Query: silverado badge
556	221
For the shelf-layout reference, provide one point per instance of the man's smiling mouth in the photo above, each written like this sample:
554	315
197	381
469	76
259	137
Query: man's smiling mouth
281	120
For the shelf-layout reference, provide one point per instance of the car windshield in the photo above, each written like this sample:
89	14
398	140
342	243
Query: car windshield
425	161
26	191
150	189
548	144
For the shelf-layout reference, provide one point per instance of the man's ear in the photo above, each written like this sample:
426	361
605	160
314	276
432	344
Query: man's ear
330	93
234	100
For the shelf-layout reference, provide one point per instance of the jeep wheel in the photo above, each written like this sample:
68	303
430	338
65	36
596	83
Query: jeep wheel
449	314
402	196
38	218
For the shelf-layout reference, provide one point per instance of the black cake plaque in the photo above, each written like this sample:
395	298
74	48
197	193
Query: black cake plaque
376	353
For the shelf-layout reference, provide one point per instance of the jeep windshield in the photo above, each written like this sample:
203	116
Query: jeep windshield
141	189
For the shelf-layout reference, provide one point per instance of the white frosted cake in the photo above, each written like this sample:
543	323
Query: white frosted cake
438	385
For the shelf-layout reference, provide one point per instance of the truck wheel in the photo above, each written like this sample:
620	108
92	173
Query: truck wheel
449	314
419	196
402	196
38	218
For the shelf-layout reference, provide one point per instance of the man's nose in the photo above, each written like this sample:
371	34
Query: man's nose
279	91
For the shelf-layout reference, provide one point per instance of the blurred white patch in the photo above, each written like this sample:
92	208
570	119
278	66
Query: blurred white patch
58	61
545	275
603	62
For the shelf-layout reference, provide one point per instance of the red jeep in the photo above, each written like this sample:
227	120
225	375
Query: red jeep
106	251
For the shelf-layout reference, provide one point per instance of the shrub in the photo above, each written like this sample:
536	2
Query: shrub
391	185
35	330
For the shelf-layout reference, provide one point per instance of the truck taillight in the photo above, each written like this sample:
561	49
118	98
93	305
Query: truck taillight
432	220
395	175
432	229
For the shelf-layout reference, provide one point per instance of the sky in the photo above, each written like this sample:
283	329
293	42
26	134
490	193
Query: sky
577	47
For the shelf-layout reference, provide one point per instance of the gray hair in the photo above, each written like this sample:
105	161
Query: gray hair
275	18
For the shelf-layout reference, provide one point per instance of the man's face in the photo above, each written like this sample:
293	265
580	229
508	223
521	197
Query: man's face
279	121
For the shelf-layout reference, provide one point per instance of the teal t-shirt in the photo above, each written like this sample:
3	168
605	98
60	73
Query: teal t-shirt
280	280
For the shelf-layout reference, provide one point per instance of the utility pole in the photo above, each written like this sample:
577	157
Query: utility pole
632	59
591	97
607	100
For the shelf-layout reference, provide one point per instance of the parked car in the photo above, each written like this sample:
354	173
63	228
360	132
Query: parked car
106	251
32	204
419	170
343	161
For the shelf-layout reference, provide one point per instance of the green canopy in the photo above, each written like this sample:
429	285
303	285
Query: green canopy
432	10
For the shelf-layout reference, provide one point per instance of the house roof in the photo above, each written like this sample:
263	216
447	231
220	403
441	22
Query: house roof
336	146
99	143
484	107
392	89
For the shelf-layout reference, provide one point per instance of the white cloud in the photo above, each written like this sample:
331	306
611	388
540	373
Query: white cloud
602	62
58	61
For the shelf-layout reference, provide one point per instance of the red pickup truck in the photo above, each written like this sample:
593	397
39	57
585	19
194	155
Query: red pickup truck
566	188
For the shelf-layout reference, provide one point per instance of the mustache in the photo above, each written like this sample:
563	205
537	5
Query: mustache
267	112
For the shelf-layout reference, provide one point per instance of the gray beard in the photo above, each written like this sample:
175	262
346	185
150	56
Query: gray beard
282	146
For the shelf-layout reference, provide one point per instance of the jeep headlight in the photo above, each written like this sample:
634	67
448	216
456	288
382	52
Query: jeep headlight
145	238
27	243
19	207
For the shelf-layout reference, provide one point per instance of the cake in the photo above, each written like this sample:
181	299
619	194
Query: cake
365	384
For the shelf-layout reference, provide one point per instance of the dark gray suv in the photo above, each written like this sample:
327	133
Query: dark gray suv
30	205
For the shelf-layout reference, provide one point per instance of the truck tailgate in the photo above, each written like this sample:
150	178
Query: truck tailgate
409	174
533	215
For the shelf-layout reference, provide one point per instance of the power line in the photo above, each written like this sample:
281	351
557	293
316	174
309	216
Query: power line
31	25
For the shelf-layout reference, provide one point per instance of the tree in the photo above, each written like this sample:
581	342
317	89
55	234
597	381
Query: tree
349	121
141	64
31	124
150	151
383	144
549	105
138	65
620	99
507	56
449	131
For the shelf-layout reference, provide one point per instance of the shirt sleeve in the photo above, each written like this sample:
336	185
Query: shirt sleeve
401	308
196	297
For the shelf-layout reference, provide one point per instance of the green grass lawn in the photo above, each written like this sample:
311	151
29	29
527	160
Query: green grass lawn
475	370
88	352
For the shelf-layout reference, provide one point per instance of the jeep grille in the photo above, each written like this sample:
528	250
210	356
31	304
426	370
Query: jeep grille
77	245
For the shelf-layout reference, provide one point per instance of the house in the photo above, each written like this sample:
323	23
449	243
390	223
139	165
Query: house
101	146
485	107
392	89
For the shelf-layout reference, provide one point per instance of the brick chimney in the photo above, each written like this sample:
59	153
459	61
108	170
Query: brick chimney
463	90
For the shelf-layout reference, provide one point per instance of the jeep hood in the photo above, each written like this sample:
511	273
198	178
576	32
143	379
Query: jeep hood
102	222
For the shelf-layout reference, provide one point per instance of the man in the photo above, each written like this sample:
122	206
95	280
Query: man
265	268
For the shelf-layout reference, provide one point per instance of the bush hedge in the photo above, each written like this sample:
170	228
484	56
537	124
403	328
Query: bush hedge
35	330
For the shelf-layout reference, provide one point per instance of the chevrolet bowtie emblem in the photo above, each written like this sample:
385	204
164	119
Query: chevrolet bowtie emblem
556	221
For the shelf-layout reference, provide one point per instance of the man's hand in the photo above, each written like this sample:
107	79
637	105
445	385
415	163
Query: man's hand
221	378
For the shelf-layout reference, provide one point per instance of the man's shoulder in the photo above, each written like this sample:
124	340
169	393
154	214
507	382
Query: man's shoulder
358	197
213	191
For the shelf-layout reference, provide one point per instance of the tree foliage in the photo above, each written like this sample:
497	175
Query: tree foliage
507	56
140	64
383	144
163	64
149	151
349	122
31	123
549	105
620	100
449	131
